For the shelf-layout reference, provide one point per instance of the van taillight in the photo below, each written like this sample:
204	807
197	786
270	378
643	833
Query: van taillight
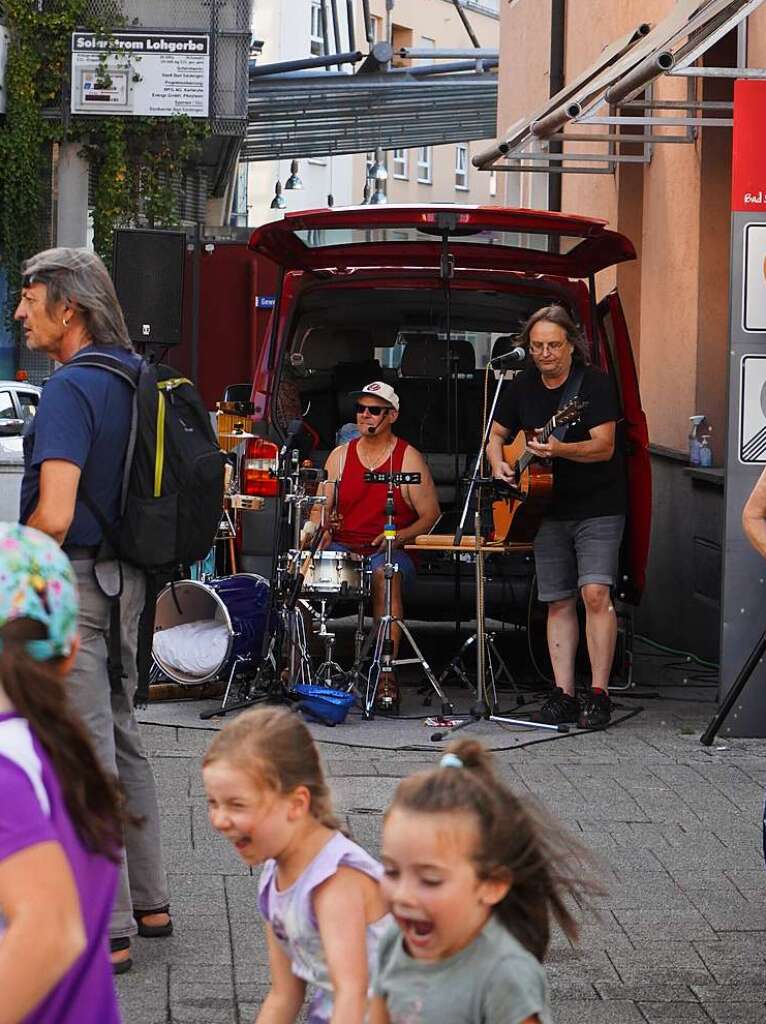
260	467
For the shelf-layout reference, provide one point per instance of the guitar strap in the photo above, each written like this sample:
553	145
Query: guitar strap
569	393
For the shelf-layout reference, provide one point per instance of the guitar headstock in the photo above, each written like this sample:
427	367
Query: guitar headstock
570	412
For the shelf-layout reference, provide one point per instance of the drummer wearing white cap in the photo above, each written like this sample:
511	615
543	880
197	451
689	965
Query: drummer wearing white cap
358	511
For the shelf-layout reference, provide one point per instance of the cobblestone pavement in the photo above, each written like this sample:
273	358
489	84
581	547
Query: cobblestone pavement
681	937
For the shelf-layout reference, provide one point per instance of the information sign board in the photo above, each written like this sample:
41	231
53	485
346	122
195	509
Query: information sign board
141	74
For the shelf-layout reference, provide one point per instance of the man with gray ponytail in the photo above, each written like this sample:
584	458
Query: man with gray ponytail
76	445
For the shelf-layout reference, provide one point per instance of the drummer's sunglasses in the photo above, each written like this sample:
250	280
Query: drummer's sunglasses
373	410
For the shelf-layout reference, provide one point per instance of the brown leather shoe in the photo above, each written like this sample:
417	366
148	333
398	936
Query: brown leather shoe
387	698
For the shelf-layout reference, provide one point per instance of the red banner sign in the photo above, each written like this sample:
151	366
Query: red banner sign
748	178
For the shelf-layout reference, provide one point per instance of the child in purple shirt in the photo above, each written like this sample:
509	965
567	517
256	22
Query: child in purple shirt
60	824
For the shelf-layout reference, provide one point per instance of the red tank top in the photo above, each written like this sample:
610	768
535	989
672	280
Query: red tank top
362	505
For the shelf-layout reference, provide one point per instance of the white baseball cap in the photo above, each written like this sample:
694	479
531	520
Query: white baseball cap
379	389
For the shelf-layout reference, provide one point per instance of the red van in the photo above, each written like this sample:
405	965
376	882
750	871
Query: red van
369	293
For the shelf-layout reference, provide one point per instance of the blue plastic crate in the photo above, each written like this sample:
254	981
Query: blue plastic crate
323	704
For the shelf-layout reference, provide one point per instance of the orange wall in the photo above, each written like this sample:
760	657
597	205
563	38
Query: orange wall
675	209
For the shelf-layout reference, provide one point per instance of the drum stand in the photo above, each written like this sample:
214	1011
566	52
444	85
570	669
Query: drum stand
383	661
329	667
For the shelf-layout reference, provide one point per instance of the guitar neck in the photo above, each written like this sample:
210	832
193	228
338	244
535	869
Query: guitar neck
545	433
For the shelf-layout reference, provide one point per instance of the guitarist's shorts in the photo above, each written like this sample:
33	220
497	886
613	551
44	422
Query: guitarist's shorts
572	552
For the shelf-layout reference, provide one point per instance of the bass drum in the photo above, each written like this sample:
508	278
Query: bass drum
205	631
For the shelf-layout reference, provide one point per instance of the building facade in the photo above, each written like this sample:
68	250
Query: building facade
675	207
430	174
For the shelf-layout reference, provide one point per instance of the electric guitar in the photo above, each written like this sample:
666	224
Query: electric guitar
517	516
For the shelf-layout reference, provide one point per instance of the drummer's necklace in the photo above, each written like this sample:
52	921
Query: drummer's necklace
376	461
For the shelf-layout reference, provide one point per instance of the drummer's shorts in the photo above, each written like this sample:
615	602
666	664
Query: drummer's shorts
377	561
572	552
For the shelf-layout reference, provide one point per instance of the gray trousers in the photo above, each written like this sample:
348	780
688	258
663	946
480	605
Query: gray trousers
111	723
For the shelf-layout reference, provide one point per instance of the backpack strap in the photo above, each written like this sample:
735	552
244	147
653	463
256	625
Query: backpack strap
103	361
570	392
130	376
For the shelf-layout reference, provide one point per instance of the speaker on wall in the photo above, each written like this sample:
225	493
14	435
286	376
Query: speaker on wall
148	274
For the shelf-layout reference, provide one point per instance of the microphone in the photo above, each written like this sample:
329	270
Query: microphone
371	430
516	355
294	428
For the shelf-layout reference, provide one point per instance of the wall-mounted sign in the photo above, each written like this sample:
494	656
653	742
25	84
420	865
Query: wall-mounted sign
142	74
754	279
748	178
752	410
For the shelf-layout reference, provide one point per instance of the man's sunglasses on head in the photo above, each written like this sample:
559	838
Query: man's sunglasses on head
373	410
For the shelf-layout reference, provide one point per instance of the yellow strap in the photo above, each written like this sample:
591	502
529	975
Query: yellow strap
159	454
173	382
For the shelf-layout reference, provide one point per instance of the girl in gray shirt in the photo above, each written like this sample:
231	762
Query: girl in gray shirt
473	878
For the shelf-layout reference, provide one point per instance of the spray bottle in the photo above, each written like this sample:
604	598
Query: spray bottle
694	443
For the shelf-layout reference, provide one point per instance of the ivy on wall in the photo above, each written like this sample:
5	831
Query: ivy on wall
137	161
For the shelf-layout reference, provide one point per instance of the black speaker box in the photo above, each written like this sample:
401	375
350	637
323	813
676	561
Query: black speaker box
148	274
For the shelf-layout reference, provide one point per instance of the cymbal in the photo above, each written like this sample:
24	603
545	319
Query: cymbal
240	435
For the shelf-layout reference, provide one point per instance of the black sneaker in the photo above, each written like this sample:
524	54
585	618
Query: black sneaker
558	709
596	712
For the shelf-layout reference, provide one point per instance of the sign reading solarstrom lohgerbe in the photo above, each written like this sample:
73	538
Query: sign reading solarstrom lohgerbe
142	74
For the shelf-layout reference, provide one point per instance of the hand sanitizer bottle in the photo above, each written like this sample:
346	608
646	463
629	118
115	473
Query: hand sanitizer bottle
705	445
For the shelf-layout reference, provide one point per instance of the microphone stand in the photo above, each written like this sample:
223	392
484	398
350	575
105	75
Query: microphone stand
479	459
485	707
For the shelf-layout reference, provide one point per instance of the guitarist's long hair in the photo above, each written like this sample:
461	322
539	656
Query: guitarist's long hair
558	315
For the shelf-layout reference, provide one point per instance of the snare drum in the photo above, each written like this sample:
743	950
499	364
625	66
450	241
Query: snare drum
335	574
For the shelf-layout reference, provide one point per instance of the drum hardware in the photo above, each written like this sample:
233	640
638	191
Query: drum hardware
496	666
239	435
329	669
273	688
383	661
227	533
244	502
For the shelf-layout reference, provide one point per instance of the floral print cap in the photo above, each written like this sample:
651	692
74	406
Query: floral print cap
37	582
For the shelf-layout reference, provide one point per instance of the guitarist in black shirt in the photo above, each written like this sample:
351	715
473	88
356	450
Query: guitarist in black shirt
578	542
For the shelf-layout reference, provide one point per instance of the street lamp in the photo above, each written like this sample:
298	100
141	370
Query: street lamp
294	180
377	176
278	202
377	172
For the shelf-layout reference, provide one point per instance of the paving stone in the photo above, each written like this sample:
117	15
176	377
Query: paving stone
674	1013
202	995
578	1011
148	1001
734	993
737	1013
648	988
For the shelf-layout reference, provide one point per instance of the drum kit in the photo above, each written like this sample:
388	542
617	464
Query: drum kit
256	634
